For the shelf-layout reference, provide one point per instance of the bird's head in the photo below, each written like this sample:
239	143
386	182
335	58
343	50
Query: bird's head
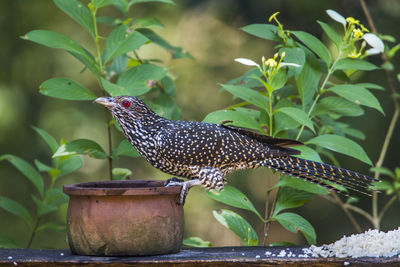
125	107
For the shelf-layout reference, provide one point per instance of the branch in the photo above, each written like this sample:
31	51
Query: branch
395	117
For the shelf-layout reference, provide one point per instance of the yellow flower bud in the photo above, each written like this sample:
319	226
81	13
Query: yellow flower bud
271	63
283	54
363	28
354	54
352	21
357	33
273	16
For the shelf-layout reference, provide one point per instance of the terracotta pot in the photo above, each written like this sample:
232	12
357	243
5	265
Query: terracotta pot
125	218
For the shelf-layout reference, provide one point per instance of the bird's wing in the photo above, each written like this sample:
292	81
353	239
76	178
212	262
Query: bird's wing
204	144
265	139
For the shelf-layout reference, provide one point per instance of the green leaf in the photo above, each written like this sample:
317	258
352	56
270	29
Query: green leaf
294	55
147	22
50	141
176	51
265	31
132	2
65	89
78	12
248	95
370	86
60	228
26	169
6	242
113	89
42	167
57	40
315	45
332	34
165	106
308	153
300	184
102	3
125	149
339	106
247	79
239	119
383	170
295	223
354	133
233	197
56	197
342	145
16	209
383	185
70	164
42	207
284	122
119	64
121	41
140	79
307	83
298	115
120	173
354	64
358	95
289	198
238	225
278	80
196	242
81	146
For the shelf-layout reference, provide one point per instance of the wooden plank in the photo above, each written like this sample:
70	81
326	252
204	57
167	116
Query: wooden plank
217	256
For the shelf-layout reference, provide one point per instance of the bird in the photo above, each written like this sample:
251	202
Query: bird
204	153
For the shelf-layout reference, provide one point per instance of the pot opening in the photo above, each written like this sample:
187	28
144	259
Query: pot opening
126	187
122	184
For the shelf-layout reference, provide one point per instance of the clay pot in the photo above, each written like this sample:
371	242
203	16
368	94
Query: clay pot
125	218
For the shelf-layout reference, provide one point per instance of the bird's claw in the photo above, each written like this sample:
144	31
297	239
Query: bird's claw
174	181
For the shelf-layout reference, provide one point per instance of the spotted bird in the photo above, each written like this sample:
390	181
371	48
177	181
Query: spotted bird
205	153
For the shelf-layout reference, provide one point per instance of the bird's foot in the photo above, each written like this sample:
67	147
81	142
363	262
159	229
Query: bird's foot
173	181
185	187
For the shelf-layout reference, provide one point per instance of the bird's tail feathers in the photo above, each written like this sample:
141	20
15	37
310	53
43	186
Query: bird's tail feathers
322	174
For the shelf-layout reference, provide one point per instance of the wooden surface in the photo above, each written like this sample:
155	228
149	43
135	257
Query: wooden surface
218	256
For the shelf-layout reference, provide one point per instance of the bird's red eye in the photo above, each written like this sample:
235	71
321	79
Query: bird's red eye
126	104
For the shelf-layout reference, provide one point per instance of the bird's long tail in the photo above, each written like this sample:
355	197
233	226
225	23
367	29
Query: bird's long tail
320	173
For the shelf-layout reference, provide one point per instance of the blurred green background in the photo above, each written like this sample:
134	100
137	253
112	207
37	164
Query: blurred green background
210	31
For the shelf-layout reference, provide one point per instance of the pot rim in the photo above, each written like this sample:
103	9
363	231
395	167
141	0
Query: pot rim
121	188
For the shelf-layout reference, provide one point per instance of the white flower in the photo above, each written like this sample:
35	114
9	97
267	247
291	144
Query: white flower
372	51
283	64
336	16
375	42
247	62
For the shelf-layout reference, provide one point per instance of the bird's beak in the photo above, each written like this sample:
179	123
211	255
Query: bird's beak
105	101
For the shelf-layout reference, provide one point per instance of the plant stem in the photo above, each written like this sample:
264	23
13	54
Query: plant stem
110	161
97	40
33	233
389	74
93	11
347	212
266	219
321	90
350	207
271	117
387	206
